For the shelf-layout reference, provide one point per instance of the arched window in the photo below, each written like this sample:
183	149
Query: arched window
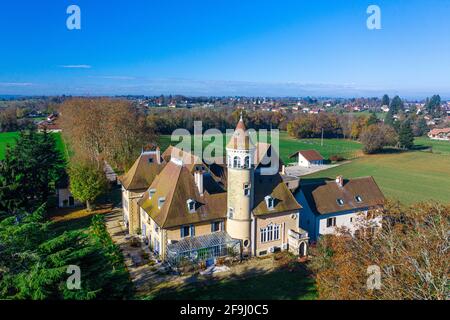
236	162
247	162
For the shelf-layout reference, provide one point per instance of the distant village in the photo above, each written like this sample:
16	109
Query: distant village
17	112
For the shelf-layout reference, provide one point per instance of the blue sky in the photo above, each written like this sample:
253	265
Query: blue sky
225	47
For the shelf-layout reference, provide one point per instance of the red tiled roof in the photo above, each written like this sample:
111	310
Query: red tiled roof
439	131
310	155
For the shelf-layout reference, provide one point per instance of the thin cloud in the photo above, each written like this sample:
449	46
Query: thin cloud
114	77
77	66
15	84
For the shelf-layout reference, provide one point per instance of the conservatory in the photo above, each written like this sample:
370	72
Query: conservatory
203	248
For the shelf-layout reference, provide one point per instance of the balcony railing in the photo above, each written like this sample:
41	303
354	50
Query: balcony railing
298	235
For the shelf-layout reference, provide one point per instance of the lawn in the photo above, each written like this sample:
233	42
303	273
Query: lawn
279	284
5	139
409	177
438	147
347	148
9	138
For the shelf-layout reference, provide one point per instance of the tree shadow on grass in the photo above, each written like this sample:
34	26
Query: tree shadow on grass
421	147
281	283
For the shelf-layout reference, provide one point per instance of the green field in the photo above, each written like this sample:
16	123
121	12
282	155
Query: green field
9	138
438	147
380	115
346	148
409	177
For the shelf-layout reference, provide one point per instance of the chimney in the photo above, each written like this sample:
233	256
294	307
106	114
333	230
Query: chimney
283	170
158	155
198	176
340	181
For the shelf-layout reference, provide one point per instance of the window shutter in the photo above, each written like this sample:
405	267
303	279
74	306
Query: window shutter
181	232
212	227
222	227
192	230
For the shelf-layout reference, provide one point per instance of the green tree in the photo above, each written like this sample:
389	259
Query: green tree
29	172
420	127
385	100
396	105
433	105
372	119
87	182
34	260
406	136
389	118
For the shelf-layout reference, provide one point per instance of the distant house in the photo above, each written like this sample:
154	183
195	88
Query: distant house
316	110
63	194
385	108
440	134
308	158
49	126
329	205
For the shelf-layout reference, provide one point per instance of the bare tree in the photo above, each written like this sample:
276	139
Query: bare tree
104	129
411	250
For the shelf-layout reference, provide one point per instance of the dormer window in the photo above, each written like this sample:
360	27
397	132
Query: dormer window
340	202
191	205
151	193
161	202
270	202
358	199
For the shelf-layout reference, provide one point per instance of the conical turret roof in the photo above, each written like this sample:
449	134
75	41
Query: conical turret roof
240	139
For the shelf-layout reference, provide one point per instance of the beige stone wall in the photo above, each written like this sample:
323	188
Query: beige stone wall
200	230
133	210
152	230
240	226
285	221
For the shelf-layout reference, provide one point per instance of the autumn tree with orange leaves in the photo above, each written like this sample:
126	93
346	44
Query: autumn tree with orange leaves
411	250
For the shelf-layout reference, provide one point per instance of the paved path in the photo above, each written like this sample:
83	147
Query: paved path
298	171
143	275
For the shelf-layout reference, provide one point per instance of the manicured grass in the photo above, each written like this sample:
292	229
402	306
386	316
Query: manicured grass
409	177
275	285
346	148
439	147
9	138
5	139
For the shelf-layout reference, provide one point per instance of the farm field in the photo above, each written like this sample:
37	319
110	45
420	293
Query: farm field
288	145
409	177
9	138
